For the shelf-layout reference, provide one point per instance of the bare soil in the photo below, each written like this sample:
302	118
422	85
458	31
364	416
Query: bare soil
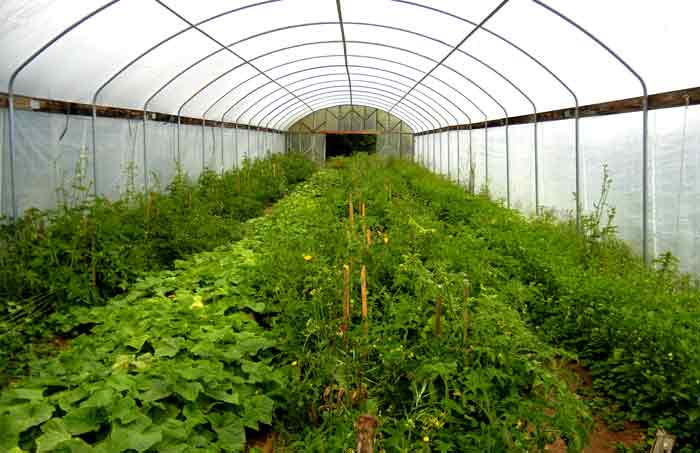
602	438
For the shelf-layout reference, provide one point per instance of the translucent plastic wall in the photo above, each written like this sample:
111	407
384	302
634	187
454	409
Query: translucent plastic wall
54	158
613	142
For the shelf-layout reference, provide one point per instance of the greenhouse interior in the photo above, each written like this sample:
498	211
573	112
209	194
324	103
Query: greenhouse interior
350	225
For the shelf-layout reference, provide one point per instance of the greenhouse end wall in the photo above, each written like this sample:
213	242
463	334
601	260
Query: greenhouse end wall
611	141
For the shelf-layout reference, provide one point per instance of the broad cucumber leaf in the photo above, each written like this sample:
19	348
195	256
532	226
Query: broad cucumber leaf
169	347
10	433
101	398
68	398
229	429
125	410
257	409
137	342
188	390
17	419
21	394
84	419
158	390
76	446
224	395
139	435
55	433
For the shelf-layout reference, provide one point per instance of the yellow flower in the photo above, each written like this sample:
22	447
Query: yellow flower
197	303
386	238
294	363
308	257
426	439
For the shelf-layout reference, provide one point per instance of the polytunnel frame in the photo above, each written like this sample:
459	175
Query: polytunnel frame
568	20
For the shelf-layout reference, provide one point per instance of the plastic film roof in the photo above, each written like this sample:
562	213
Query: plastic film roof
270	63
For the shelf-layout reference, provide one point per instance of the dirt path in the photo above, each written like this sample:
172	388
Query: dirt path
602	438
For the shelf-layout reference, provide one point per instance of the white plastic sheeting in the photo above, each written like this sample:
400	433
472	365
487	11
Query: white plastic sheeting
265	62
613	141
271	62
54	162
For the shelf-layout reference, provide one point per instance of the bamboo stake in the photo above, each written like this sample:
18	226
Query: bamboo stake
438	316
346	299
368	234
363	281
465	315
351	211
366	426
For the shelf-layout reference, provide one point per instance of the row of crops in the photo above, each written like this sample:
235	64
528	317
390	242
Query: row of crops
88	251
376	298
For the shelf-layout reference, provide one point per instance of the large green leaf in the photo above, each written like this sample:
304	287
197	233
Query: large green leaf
84	419
256	409
229	429
55	433
139	435
188	390
16	419
125	410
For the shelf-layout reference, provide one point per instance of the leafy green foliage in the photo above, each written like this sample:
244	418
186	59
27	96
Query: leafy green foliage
252	334
177	364
89	252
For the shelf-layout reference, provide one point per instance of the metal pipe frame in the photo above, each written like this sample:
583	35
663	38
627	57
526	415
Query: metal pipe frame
361	75
345	47
551	73
381	103
288	121
307	86
425	101
224	47
411	109
123	69
334	55
454	49
353	23
568	20
11	99
645	124
367	75
321	92
417	119
415	123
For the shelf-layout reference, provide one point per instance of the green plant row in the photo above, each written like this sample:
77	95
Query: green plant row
486	384
636	327
178	364
251	335
85	253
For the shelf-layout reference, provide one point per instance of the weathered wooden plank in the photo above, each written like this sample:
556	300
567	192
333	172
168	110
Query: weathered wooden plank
344	132
78	109
678	98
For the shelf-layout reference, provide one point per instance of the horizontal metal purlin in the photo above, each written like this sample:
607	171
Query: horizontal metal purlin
80	109
669	99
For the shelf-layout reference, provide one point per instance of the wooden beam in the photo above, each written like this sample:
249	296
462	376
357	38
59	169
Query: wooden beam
678	98
78	109
366	132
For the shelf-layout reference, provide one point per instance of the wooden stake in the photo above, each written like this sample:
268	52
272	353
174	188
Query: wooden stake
438	316
363	281
366	427
368	234
362	210
351	211
346	299
465	315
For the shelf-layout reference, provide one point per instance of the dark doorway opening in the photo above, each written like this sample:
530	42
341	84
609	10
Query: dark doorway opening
346	144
